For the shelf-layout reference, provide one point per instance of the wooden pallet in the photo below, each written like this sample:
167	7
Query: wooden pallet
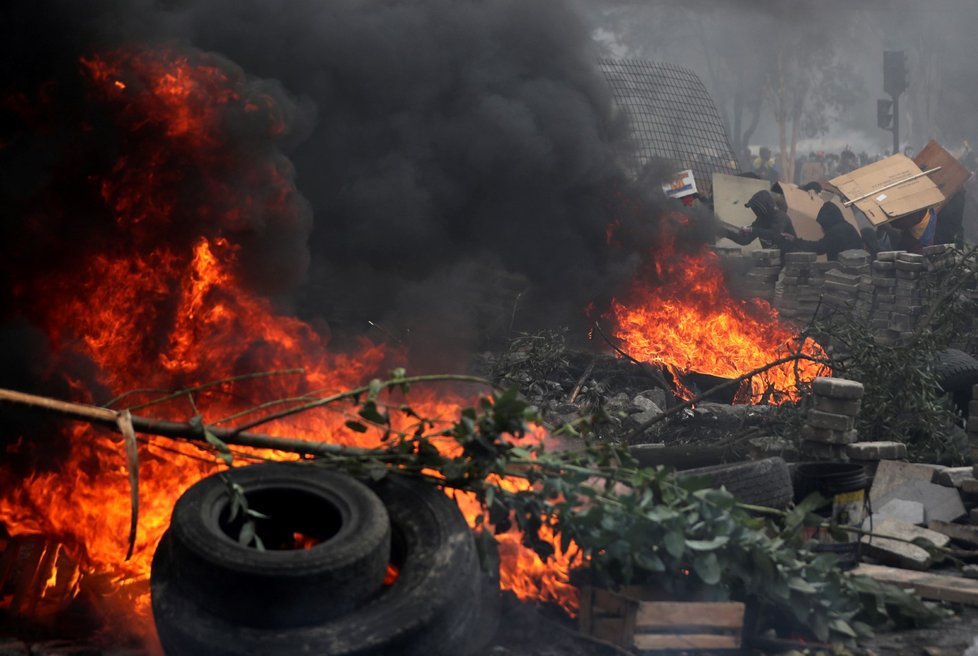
623	618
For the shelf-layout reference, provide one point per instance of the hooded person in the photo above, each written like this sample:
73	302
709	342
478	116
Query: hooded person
837	234
770	224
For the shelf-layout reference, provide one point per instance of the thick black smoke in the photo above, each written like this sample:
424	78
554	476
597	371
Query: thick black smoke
458	157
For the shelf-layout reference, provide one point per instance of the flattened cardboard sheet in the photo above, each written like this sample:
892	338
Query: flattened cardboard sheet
952	176
907	197
730	192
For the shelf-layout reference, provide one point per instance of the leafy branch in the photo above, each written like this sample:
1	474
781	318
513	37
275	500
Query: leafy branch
621	523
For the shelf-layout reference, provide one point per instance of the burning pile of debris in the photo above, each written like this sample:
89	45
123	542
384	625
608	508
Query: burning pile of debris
211	278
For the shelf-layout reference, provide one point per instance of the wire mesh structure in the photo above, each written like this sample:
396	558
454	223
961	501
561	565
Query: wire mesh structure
672	117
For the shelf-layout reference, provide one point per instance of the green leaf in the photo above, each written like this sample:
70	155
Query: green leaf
675	543
708	545
374	388
801	585
222	448
370	413
247	533
707	567
839	625
649	561
356	426
235	507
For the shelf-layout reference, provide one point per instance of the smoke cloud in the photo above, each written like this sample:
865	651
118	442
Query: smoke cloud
456	160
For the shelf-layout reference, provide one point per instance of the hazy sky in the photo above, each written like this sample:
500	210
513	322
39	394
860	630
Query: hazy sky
939	38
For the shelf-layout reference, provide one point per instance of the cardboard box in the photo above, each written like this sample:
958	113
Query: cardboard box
730	192
952	176
905	196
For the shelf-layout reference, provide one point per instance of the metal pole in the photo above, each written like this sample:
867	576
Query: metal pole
896	124
889	186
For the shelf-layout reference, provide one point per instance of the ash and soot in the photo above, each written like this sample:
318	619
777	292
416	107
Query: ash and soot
194	191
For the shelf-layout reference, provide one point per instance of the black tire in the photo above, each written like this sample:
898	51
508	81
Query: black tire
956	373
432	609
281	587
761	482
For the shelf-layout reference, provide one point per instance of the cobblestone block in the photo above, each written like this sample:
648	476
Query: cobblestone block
848	407
877	451
828	436
832	421
839	388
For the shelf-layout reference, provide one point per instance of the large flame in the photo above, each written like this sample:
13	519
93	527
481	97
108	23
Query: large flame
156	312
682	316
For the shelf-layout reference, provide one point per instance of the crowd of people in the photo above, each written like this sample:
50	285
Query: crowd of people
774	229
817	165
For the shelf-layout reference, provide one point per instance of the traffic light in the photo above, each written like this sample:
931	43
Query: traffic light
895	79
884	114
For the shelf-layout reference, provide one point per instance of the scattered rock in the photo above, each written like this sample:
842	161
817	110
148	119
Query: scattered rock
911	512
953	476
892	474
970	571
943	503
902	554
959	532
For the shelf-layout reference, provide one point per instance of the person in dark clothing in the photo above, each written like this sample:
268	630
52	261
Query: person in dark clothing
769	226
837	235
950	220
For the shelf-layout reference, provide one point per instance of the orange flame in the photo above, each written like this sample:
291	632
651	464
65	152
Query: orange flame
684	318
153	314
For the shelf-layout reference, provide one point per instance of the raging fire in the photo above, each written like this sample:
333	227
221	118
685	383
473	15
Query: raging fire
682	316
159	307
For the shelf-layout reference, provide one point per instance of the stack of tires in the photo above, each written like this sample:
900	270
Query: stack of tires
319	586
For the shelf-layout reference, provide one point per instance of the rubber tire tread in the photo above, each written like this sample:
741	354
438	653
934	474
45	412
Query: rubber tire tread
279	588
764	482
434	608
956	371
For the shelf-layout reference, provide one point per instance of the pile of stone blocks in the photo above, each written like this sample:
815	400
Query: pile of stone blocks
857	263
908	305
840	290
763	274
798	295
941	257
830	426
846	284
884	284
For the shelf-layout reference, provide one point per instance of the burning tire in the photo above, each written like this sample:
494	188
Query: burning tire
327	546
762	482
434	607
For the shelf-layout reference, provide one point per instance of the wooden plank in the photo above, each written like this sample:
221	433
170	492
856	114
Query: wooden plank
605	602
954	589
584	618
610	629
664	614
651	641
